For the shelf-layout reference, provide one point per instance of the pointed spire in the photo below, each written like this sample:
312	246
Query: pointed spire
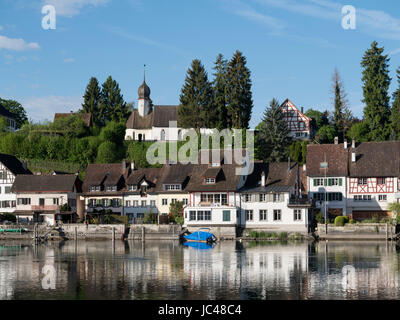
144	74
144	90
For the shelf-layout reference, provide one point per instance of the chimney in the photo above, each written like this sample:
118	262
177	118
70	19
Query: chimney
133	165
345	144
353	143
336	140
263	179
288	164
353	157
302	109
304	167
123	165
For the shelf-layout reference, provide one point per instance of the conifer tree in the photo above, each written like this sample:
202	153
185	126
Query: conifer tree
273	139
219	94
91	100
342	115
376	82
238	92
195	110
395	116
112	105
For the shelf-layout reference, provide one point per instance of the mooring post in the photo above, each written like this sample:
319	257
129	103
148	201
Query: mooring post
76	233
113	233
387	231
143	234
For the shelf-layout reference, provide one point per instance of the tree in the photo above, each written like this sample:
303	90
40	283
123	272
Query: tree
195	110
17	109
107	152
176	212
91	100
395	116
376	83
112	106
319	118
326	134
342	114
238	92
219	92
273	139
114	132
359	131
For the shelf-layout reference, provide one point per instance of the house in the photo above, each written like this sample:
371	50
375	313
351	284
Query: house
154	123
327	177
173	186
9	117
86	117
299	124
373	181
10	167
47	198
213	197
271	199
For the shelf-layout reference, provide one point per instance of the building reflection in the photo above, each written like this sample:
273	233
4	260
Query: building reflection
230	270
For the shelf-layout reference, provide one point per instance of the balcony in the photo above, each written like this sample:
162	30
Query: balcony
300	203
45	208
213	204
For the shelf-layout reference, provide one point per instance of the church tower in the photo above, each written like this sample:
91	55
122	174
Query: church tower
144	102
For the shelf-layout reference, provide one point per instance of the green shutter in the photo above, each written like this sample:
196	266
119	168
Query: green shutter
315	182
340	196
324	182
226	214
340	182
329	182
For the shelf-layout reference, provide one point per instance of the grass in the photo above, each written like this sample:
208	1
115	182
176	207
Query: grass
263	235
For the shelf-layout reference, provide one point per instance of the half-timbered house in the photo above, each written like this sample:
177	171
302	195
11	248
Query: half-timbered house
299	124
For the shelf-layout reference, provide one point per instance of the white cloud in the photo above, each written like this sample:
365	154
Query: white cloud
17	44
69	60
69	8
44	108
1	28
394	52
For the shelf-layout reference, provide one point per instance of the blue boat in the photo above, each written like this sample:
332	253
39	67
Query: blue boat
201	235
199	245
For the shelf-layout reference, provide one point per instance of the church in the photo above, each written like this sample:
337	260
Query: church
154	123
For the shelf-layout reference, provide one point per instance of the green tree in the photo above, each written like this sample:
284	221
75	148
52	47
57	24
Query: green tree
273	139
238	92
112	106
359	131
342	114
176	212
91	100
376	82
319	118
107	152
17	109
195	110
114	132
219	92
326	134
395	116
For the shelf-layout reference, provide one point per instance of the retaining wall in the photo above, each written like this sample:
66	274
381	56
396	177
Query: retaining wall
359	231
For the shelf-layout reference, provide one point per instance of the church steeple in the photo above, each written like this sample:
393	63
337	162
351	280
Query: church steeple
144	97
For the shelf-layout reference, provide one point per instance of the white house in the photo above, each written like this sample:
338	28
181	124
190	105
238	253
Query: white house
10	167
9	117
271	199
299	124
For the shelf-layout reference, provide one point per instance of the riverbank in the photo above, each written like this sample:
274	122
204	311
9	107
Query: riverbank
359	231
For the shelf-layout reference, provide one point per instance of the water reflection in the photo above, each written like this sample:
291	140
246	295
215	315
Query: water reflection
229	270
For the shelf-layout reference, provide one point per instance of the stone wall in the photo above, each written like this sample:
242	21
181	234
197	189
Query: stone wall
221	232
154	232
278	228
357	231
93	231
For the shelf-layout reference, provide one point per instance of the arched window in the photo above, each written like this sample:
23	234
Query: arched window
140	137
162	135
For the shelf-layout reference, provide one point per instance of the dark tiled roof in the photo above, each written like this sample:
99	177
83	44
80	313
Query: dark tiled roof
5	113
103	174
135	121
159	117
175	174
278	177
86	117
212	172
336	156
150	175
49	183
376	159
13	164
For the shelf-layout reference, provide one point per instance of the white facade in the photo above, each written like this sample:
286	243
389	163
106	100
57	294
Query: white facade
137	206
7	198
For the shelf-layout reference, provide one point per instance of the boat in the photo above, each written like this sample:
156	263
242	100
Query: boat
199	245
15	230
201	235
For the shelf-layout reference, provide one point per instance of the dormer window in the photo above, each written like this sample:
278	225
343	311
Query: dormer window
210	180
95	188
111	188
171	187
132	187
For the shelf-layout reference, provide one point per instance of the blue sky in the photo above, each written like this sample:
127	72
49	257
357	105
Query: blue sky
292	48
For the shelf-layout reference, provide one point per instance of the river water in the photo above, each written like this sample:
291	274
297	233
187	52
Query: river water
170	270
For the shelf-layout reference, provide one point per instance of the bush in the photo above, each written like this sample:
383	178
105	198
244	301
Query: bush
283	235
319	217
351	221
8	217
340	221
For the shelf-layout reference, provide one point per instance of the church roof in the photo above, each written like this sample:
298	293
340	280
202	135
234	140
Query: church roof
159	117
144	91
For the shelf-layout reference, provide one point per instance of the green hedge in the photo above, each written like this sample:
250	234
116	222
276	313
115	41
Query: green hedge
340	221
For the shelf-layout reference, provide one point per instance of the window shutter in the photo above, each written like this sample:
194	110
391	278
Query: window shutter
315	182
324	182
340	182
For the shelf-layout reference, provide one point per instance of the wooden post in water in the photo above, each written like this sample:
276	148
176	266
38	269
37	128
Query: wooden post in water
76	233
387	230
143	234
113	234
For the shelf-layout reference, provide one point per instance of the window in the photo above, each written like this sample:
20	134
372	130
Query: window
277	215
226	215
7	190
192	215
362	181
207	215
249	215
318	182
247	197
41	202
127	203
169	187
94	188
164	202
105	203
185	202
210	180
132	187
152	203
263	197
297	215
263	215
364	197
135	203
200	215
56	201
382	197
381	181
277	197
144	203
224	200
24	201
174	200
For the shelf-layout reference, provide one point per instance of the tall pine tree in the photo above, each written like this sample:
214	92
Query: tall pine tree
395	116
376	82
238	92
342	115
219	94
112	106
91	100
195	110
273	139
